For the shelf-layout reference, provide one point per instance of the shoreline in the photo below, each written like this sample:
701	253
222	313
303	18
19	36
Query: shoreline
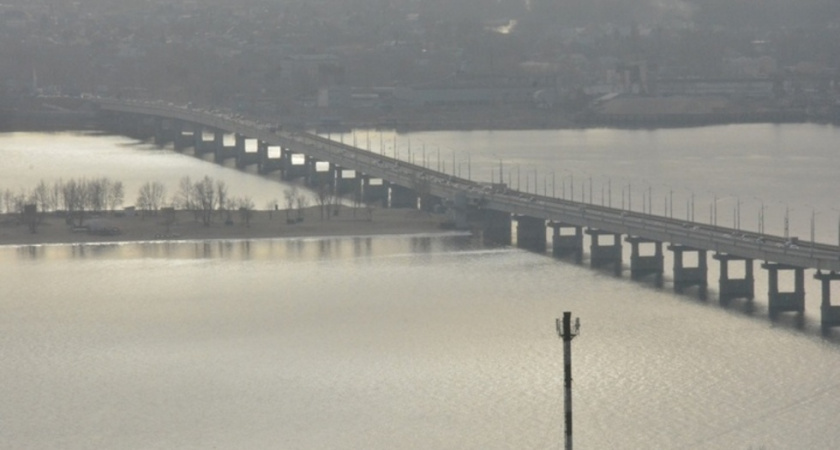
263	225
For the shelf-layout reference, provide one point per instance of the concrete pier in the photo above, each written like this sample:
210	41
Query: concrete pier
247	152
374	191
646	265
164	131
201	145
184	135
567	240
271	160
829	314
294	165
732	288
496	227
685	277
603	254
530	233
402	197
791	301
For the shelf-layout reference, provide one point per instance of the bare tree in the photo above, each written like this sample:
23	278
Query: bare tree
8	201
302	202
116	195
246	210
323	197
41	197
222	198
150	197
205	198
55	195
75	195
31	217
271	206
186	197
290	195
98	193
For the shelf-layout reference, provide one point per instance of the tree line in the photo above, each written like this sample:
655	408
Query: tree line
79	198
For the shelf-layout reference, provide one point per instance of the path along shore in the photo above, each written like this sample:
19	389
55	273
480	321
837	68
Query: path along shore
263	225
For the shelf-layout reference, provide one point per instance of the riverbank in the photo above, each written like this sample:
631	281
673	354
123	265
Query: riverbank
184	226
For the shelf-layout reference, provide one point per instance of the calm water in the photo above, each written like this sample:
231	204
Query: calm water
412	341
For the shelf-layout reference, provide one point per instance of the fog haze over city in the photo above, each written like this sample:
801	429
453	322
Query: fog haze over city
383	60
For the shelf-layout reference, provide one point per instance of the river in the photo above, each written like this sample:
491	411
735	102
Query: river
419	342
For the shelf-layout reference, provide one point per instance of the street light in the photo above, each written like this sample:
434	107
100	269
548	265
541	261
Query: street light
760	216
567	332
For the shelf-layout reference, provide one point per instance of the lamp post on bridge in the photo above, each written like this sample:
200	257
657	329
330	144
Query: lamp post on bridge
567	332
760	216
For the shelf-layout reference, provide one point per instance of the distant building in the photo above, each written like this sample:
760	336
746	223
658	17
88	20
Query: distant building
732	88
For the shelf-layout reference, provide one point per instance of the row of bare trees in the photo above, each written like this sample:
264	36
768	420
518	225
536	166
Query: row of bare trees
76	196
207	198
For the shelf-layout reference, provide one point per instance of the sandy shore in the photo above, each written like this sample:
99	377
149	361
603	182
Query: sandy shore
263	224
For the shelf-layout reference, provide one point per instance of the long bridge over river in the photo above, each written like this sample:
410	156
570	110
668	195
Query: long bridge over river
491	209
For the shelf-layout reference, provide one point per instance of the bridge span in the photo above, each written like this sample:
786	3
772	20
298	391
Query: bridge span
492	209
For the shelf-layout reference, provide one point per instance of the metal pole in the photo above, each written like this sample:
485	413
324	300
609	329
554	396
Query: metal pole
567	333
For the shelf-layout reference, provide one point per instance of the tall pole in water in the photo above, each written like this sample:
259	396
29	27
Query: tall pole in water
567	333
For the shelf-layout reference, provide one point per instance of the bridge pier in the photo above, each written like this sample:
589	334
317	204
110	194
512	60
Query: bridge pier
601	254
271	159
294	165
247	152
685	277
829	314
223	152
430	203
566	244
374	191
184	135
496	227
530	233
792	301
199	144
346	181
642	266
402	197
316	174
732	288
164	132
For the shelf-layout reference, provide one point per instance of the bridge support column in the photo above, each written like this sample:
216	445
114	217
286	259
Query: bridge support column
271	160
829	314
496	227
345	180
374	191
785	301
184	135
293	168
602	254
530	233
315	179
221	151
431	203
732	288
685	277
402	197
247	154
642	266
566	244
164	132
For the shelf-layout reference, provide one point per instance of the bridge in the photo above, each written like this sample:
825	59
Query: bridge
492	209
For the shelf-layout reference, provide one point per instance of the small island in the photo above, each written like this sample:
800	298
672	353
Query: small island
183	225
